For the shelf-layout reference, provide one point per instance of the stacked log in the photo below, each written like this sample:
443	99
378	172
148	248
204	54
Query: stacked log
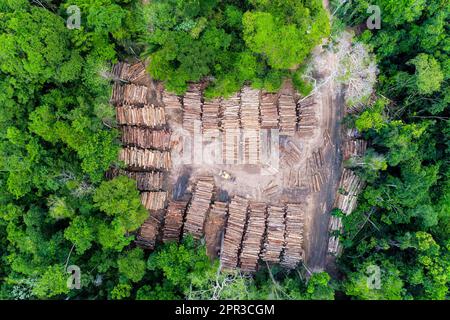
293	251
307	120
173	221
198	208
254	234
117	94
149	232
230	114
270	189
120	71
288	114
350	186
249	115
335	225
237	215
214	228
274	241
249	108
315	170
146	181
269	111
148	116
231	126
137	73
146	159
171	101
192	109
154	200
135	94
292	154
354	148
210	116
146	138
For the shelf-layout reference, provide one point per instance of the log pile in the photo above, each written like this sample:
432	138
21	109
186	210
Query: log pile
210	116
269	111
307	120
274	241
171	101
192	109
315	170
135	95
291	154
198	208
214	228
149	232
335	225
173	221
254	234
135	73
271	189
120	71
354	148
249	108
146	181
350	186
237	215
249	115
117	94
288	114
146	138
230	112
148	116
154	200
146	159
293	251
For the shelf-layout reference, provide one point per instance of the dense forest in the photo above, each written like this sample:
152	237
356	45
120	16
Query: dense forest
58	138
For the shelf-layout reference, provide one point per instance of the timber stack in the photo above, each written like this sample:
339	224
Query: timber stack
231	128
199	207
145	158
274	241
354	148
171	101
146	116
237	216
145	180
146	138
293	251
316	170
307	120
149	232
192	109
154	200
249	116
126	72
254	235
288	113
214	228
350	186
269	111
146	144
173	221
210	115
